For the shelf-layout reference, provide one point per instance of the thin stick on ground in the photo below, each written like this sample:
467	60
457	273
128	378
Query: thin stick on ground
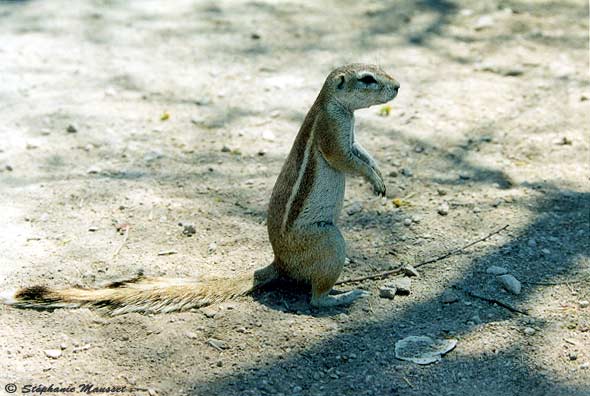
492	300
450	253
125	237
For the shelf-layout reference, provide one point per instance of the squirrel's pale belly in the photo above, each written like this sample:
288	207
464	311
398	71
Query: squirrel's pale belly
324	202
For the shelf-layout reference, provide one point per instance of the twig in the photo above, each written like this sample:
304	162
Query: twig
399	270
492	301
125	237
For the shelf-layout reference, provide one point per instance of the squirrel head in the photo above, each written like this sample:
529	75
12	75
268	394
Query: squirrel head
358	86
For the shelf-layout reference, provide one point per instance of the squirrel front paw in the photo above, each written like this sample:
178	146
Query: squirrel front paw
378	185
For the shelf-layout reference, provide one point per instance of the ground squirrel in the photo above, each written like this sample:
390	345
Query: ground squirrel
304	206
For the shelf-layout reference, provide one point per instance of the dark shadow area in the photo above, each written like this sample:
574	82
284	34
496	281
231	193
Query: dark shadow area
374	369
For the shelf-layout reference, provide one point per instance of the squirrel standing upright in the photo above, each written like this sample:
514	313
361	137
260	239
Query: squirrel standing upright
304	206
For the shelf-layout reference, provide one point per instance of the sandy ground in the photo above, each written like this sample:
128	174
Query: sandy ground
492	120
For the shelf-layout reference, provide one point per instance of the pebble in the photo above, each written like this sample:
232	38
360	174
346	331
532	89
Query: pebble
93	170
572	356
92	228
406	172
443	209
152	392
188	229
72	128
53	353
297	389
449	297
416	219
191	335
464	176
585	366
225	149
393	173
495	270
546	251
209	312
354	208
387	292
403	286
441	192
529	331
532	243
409	270
584	304
510	283
167	252
407	222
484	22
212	247
217	344
153	155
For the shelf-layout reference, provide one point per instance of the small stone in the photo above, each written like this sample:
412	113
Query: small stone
72	128
484	22
416	219
464	176
92	228
585	366
393	173
191	335
572	356
354	208
152	392
409	270
188	229
53	353
546	251
441	192
209	312
584	304
387	292
419	149
403	286
495	270
406	172
167	252
529	331
297	389
510	283
407	222
443	209
255	36
63	346
449	297
93	170
212	247
225	149
217	344
268	135
532	243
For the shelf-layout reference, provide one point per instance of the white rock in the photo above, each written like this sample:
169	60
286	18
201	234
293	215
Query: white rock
510	283
483	22
584	304
495	270
443	209
410	271
407	222
53	353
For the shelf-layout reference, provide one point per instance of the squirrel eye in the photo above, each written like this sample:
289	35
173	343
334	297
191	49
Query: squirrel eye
368	79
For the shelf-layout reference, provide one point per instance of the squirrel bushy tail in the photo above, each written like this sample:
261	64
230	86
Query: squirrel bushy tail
143	294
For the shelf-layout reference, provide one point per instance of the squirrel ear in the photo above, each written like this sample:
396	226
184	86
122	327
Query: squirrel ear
342	80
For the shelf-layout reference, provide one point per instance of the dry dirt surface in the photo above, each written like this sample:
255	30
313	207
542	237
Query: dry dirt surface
122	119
